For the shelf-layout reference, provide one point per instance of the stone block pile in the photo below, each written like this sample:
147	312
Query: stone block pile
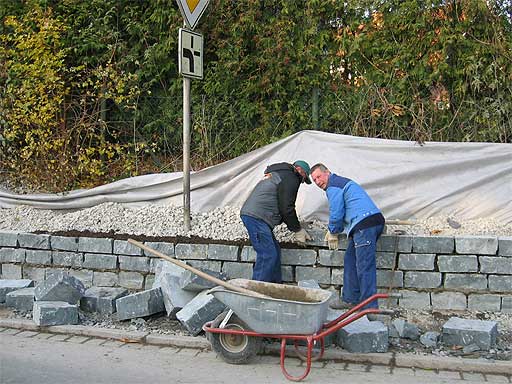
185	295
180	293
365	336
57	299
102	299
53	301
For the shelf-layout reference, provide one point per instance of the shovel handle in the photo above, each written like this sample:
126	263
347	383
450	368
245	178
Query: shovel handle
199	273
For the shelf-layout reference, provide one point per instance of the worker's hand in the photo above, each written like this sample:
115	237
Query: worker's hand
332	240
301	236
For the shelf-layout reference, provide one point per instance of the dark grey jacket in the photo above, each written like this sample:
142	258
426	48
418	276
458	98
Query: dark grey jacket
273	198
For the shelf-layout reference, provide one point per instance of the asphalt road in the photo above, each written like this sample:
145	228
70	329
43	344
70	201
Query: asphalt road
42	358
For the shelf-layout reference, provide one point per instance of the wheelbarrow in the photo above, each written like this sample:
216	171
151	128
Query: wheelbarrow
287	313
266	310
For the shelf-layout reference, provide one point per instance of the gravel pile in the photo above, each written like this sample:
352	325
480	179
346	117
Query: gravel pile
218	224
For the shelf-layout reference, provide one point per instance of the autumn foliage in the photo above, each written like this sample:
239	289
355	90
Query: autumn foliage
90	91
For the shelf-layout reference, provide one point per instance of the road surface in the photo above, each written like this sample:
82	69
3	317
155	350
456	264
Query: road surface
43	358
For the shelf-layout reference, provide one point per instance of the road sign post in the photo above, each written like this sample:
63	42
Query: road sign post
190	65
186	153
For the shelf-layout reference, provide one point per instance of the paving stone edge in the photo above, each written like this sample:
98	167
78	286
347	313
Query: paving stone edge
403	360
390	358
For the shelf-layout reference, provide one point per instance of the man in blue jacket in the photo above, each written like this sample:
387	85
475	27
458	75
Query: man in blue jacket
353	212
271	203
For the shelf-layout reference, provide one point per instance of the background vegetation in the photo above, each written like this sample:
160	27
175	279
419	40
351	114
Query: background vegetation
90	91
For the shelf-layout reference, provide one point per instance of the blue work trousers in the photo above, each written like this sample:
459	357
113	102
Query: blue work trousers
268	253
360	271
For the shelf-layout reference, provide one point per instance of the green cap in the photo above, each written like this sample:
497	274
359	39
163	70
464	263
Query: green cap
305	166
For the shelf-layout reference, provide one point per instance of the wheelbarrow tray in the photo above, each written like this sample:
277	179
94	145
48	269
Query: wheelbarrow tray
287	310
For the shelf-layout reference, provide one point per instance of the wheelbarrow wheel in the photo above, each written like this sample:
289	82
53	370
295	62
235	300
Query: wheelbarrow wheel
235	349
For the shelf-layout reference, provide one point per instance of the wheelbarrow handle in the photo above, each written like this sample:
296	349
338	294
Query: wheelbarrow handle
388	312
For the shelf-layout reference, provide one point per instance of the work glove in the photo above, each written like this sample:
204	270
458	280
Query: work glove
332	240
301	236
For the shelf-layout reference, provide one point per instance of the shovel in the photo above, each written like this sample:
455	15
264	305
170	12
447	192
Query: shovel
199	273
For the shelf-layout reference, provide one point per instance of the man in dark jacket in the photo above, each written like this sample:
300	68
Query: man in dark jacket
271	203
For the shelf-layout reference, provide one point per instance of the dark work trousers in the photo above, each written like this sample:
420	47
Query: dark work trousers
268	253
360	271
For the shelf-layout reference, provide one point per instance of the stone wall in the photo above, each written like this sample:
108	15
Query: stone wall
470	272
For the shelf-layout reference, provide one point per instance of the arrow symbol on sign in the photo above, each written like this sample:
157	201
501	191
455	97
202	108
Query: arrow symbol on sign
189	54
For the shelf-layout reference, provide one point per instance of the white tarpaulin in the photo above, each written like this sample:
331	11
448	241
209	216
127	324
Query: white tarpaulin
405	179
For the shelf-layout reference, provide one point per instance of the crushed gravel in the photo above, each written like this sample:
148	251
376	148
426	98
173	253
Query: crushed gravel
218	224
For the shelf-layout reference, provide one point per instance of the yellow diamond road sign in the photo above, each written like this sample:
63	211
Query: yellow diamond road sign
192	10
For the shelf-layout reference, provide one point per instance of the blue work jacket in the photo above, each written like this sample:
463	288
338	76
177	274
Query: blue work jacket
349	204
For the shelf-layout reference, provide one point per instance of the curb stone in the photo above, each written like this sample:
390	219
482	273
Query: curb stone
101	333
389	358
403	360
24	324
178	341
113	334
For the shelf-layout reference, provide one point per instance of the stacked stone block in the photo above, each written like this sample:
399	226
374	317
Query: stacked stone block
55	313
60	287
21	299
201	309
102	299
140	304
440	272
189	281
464	332
167	279
7	286
364	336
56	299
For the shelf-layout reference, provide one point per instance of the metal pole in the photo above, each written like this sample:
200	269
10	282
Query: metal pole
186	153
315	108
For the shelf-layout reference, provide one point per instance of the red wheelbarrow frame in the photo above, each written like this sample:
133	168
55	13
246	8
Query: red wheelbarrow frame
328	328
